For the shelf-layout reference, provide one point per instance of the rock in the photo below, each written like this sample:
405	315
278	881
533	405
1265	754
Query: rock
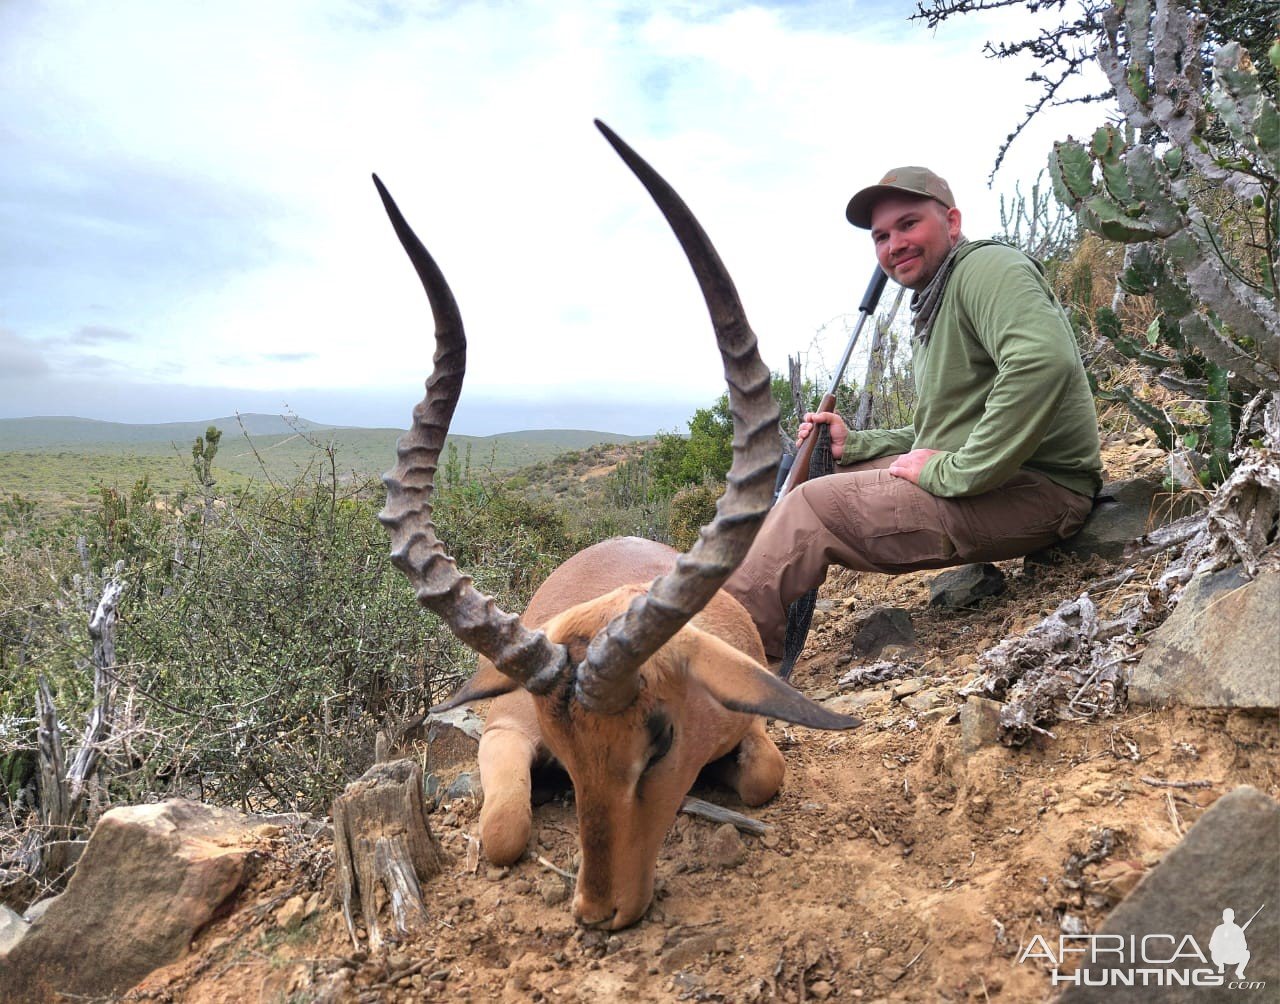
879	627
432	792
150	878
726	848
925	700
1123	511
453	737
963	587
1230	859
12	928
37	910
688	951
464	786
908	687
850	704
1218	647
979	724
553	890
290	916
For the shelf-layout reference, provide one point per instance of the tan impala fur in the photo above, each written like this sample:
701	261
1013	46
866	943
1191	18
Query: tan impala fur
630	667
624	809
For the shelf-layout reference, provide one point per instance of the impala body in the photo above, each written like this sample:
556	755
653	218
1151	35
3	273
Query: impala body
630	667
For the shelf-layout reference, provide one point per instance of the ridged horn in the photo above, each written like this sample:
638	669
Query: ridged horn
608	678
526	656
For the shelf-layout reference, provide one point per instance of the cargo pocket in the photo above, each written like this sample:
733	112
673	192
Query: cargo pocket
894	524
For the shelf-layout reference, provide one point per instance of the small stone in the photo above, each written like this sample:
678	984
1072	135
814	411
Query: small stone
908	687
290	916
464	786
879	627
821	990
960	588
1073	925
553	890
432	790
688	983
726	848
979	724
845	704
925	700
688	951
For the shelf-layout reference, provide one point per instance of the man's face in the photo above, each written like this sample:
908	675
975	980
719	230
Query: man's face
912	236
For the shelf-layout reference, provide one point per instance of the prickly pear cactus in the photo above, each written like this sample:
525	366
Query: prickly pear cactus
1220	323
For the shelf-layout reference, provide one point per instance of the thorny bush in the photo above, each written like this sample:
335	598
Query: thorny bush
263	639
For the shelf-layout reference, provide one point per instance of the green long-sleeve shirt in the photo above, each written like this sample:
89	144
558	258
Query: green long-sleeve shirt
999	384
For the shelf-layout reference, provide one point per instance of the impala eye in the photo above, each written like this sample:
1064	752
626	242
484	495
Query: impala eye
661	734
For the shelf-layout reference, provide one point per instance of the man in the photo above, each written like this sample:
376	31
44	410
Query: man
1002	458
1227	946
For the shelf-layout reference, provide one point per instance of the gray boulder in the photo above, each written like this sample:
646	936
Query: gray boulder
1123	512
1220	648
12	928
1229	860
879	627
962	587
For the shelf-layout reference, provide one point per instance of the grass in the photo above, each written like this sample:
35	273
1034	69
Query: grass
42	460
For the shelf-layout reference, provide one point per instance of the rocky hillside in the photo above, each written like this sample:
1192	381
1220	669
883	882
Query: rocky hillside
917	858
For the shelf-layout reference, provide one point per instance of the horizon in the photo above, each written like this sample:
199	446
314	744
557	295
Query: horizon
476	415
313	424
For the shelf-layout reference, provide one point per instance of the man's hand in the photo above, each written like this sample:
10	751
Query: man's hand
836	427
909	465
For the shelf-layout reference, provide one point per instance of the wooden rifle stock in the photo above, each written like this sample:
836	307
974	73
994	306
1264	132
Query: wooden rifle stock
800	466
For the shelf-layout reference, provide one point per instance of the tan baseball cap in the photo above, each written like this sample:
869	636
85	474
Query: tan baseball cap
899	181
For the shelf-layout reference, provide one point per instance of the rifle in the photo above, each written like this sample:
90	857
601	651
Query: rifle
800	613
799	473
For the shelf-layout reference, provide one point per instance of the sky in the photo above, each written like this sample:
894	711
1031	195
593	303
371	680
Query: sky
190	230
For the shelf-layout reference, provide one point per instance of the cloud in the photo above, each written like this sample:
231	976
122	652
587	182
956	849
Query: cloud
96	334
187	186
20	360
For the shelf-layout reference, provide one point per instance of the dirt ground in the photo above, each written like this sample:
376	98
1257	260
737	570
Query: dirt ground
897	866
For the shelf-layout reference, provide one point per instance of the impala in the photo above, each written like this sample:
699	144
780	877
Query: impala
630	667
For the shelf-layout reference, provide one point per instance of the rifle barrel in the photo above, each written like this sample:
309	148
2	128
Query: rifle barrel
800	467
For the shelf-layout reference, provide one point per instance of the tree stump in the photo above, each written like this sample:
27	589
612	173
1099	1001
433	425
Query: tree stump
384	850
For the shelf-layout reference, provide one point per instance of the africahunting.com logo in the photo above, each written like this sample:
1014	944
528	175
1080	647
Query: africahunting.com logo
1149	960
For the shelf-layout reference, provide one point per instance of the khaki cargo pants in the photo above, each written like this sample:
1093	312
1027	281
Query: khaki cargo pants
864	518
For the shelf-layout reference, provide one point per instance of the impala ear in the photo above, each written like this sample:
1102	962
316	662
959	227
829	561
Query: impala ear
738	683
485	682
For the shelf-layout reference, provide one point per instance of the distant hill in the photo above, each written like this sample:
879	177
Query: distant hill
44	432
69	458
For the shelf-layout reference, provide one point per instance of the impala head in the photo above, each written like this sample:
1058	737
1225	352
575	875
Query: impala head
631	697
